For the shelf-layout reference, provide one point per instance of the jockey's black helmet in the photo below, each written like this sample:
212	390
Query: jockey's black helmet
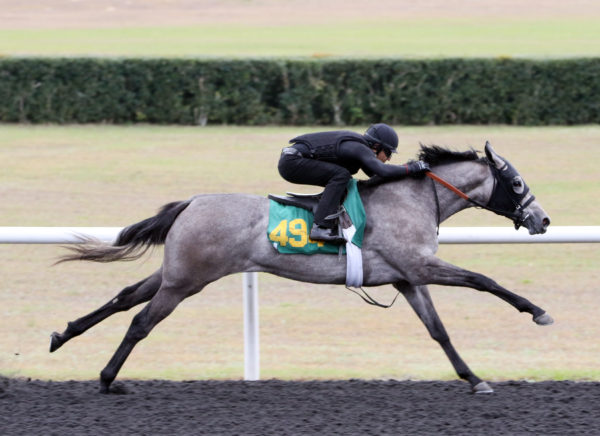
382	134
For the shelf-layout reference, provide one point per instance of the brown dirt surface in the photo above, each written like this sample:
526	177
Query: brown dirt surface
138	13
292	408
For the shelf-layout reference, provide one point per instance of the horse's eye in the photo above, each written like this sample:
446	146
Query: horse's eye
518	185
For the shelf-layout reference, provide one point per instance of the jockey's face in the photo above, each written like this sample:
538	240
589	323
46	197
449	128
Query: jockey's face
383	156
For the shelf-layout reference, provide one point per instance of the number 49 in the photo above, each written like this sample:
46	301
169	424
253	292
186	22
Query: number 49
297	227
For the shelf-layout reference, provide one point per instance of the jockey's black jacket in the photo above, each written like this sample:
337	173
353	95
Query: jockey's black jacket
346	149
329	159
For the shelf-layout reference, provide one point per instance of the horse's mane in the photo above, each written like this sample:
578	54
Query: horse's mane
433	155
436	155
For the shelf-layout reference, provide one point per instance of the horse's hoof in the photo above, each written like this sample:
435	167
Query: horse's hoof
482	388
55	341
115	390
543	319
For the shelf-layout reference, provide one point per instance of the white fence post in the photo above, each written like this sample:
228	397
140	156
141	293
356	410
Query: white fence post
251	335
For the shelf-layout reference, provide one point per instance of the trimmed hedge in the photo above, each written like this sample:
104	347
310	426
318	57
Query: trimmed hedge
300	92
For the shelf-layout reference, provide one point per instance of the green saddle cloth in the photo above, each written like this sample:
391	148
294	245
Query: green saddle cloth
289	226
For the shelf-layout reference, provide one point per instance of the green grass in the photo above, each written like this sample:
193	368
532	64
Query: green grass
113	176
414	38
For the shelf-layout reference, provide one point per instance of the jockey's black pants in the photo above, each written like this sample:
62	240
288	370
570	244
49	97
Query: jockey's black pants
305	171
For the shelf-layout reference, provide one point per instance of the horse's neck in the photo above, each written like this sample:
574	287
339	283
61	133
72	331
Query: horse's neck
419	198
472	178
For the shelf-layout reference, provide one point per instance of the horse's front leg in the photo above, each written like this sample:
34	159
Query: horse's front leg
436	271
419	299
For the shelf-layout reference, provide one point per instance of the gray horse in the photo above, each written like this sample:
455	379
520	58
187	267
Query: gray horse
203	242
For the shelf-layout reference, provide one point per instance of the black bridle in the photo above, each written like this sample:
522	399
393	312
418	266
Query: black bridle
504	201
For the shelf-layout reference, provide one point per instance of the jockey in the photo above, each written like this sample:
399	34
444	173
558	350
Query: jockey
330	158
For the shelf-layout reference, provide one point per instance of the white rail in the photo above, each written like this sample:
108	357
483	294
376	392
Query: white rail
508	235
55	235
448	235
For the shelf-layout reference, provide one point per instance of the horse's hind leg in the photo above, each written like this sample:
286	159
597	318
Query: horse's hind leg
420	300
130	296
161	305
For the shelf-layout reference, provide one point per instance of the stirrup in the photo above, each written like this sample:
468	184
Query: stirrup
326	235
338	223
338	214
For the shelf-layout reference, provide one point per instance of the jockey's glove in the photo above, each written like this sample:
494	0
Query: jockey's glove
417	167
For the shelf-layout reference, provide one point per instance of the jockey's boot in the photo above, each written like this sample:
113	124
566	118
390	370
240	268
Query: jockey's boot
320	233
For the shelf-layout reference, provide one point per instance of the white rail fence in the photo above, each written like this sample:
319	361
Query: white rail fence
448	235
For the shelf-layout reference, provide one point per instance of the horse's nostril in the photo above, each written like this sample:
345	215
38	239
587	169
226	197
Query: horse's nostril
546	222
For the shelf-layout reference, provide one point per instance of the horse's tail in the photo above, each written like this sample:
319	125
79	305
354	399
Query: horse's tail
133	241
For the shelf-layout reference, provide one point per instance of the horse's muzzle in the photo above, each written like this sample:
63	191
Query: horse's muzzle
536	226
536	220
545	224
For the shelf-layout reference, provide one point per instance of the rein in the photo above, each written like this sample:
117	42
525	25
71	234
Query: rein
457	191
448	185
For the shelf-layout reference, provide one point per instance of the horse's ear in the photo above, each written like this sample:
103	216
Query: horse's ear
493	157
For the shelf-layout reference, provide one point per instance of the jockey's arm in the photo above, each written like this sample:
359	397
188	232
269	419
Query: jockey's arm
369	163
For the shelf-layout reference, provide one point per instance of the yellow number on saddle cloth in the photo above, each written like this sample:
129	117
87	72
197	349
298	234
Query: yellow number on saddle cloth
279	233
297	227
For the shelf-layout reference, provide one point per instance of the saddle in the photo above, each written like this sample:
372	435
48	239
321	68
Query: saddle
305	201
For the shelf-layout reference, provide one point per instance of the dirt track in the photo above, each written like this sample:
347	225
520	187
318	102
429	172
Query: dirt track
293	408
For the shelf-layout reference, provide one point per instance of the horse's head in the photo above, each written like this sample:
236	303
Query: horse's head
511	196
